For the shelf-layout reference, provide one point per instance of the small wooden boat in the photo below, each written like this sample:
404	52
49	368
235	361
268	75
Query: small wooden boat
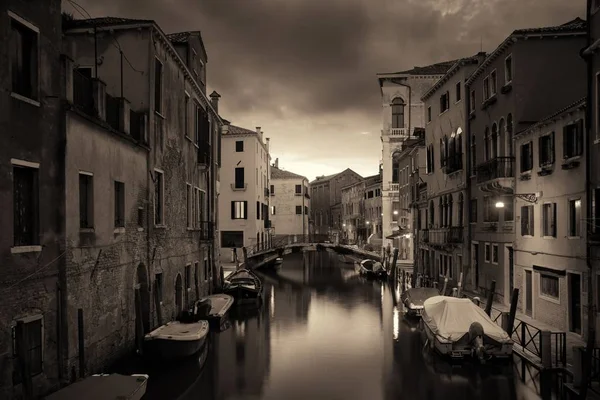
244	285
458	328
372	269
177	339
414	298
213	308
278	262
104	387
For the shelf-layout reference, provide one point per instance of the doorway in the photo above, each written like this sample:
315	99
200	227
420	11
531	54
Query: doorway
475	261
575	303
178	295
528	293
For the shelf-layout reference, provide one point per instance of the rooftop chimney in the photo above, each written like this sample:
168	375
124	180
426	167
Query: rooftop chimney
268	142
214	100
276	163
260	134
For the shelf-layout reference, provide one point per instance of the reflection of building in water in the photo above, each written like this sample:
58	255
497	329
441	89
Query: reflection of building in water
292	306
244	355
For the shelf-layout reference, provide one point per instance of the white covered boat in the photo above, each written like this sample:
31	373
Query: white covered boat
213	308
459	328
104	387
176	339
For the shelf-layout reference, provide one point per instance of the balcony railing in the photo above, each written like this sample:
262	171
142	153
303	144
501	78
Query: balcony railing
398	132
207	231
424	235
393	186
496	168
441	236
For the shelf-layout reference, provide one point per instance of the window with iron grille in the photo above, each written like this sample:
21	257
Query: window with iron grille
158	75
549	219
24	58
86	201
25	206
32	338
298	210
527	221
119	204
546	145
573	139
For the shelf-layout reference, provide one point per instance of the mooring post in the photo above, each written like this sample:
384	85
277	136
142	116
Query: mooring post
81	342
504	321
578	352
490	299
546	348
546	383
514	301
246	259
24	361
477	301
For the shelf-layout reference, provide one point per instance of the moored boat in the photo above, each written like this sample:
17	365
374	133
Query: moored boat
104	387
372	269
414	298
177	339
458	328
213	308
278	262
244	285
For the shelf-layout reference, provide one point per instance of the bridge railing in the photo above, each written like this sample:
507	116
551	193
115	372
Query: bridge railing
279	241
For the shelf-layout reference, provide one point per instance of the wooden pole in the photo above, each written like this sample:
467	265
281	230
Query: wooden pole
81	342
490	299
514	300
157	303
24	361
460	280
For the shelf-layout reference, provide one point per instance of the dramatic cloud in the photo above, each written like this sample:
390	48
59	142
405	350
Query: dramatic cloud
304	70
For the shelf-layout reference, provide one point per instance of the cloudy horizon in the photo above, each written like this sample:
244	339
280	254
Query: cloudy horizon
305	70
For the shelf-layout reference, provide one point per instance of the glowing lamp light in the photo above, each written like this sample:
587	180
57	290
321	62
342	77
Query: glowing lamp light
368	222
382	214
499	204
395	212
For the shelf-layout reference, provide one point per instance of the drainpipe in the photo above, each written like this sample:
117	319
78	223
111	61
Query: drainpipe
467	172
588	127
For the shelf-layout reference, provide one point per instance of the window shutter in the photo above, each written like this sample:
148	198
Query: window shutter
579	140
552	155
233	210
531	224
523	220
541	151
565	142
245	210
554	220
530	155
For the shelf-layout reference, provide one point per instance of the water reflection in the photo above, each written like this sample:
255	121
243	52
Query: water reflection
324	333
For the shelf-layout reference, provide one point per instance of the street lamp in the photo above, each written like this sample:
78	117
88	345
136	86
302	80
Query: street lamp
528	197
395	212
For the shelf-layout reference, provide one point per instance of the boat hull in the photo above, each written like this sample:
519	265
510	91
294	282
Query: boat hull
462	349
113	386
243	295
167	349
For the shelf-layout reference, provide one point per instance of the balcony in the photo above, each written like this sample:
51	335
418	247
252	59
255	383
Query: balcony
497	172
424	235
454	163
207	231
448	235
393	187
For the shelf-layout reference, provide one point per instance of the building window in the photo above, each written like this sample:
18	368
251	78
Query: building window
190	206
526	157
119	204
186	115
159	197
546	145
575	218
494	148
429	114
549	286
398	113
473	156
508	70
473	216
86	201
197	123
305	210
140	217
472	102
573	139
444	102
458	92
258	210
490	212
25	206
187	282
494	254
239	210
239	146
24	57
273	210
487	251
197	278
298	189
493	82
509	209
206	267
239	178
201	207
549	219
486	88
158	70
298	210
31	337
527	225
596	211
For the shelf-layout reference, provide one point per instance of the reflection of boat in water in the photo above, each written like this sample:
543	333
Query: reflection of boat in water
458	328
372	269
105	386
244	285
176	340
414	298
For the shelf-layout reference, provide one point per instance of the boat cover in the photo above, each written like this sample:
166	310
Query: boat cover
417	296
99	387
176	330
451	317
219	303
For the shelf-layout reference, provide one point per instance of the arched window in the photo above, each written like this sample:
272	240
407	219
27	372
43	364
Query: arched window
473	155
461	207
494	146
398	113
486	149
502	138
442	214
509	134
442	153
459	148
431	213
449	218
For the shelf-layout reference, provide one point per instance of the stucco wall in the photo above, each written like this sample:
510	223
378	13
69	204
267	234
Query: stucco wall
284	199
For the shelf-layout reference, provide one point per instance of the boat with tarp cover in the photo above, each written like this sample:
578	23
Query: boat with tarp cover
244	286
177	339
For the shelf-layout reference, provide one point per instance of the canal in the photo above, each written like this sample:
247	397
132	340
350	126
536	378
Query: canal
323	332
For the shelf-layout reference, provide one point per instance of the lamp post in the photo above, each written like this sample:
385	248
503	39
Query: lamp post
528	197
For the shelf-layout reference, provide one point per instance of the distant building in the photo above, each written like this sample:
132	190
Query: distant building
403	112
418	204
550	241
244	197
507	93
444	242
354	227
289	202
372	209
326	199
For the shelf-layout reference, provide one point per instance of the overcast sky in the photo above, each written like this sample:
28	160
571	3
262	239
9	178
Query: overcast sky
304	70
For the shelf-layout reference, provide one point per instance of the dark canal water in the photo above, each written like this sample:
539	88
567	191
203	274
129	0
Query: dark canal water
323	332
